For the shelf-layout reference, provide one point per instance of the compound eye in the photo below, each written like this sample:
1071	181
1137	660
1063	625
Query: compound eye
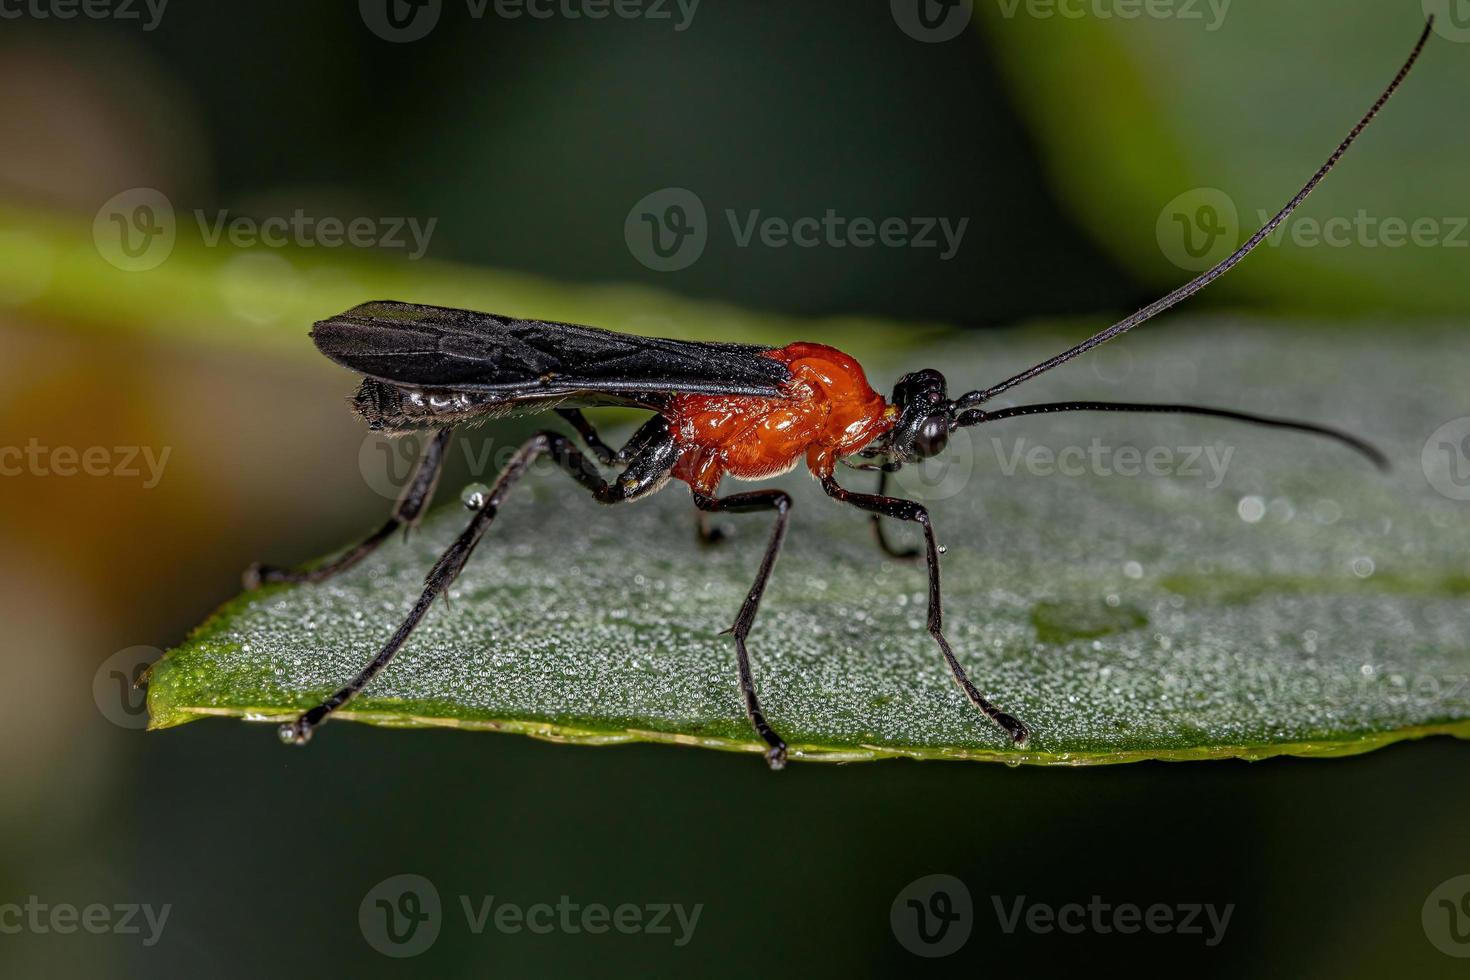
933	436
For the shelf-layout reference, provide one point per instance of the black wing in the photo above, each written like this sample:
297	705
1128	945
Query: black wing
530	360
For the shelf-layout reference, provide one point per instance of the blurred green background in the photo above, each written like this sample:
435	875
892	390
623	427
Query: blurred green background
1079	148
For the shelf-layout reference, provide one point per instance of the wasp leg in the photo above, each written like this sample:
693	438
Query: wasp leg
406	514
708	534
889	549
908	510
645	474
744	503
605	454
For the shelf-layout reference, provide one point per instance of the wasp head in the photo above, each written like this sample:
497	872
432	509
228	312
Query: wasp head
925	417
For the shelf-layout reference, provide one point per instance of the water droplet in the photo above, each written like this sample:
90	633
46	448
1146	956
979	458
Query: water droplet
1251	509
1282	510
1327	511
474	495
1363	567
1133	569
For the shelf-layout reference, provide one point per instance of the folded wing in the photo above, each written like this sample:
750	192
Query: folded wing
437	347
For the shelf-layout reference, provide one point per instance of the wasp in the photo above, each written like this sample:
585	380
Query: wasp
718	410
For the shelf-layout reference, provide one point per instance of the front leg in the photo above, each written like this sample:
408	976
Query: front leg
908	510
889	548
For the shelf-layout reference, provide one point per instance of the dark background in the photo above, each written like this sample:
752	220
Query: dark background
528	141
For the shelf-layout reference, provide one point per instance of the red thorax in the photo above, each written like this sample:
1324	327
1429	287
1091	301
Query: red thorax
830	411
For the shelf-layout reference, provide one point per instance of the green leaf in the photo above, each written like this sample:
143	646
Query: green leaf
1262	593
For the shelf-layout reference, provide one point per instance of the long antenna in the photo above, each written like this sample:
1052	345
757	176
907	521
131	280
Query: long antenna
1204	279
975	416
